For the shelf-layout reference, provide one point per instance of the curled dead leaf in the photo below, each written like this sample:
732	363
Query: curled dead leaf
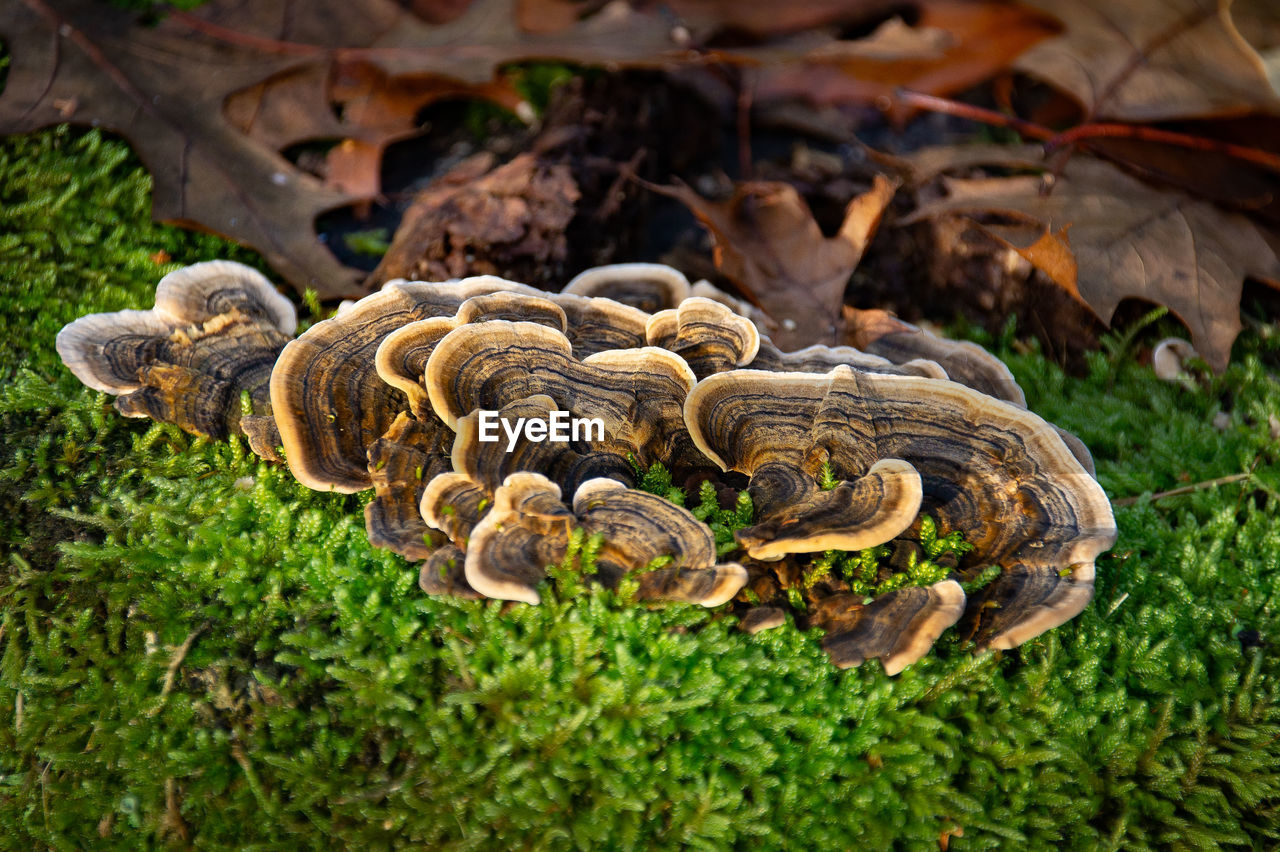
1127	239
768	243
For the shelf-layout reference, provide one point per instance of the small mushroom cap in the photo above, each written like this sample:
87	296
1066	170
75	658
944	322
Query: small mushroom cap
761	618
639	528
798	517
329	402
526	530
454	503
878	333
401	358
996	472
401	463
650	287
598	325
263	436
198	293
706	334
636	393
444	573
897	628
1169	356
569	464
1025	601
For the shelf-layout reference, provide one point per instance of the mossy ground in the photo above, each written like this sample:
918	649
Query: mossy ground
195	649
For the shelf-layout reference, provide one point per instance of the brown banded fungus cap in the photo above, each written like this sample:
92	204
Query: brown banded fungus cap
706	334
213	335
651	287
672	553
443	573
526	530
401	463
401	358
820	358
997	473
637	394
880	333
897	628
598	325
568	464
752	422
962	361
329	402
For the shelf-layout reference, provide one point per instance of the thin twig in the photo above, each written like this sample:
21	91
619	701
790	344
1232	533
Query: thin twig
171	672
1054	140
1185	489
1166	137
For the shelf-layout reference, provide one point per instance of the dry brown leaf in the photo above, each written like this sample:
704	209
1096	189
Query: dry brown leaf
767	242
165	87
952	46
1126	238
1154	60
477	219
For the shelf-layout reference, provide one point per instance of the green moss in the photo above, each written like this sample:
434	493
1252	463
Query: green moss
193	645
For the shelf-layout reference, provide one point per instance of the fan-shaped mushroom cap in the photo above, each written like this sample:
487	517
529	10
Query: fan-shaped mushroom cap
761	618
651	287
706	334
639	528
748	421
454	503
996	472
444	573
568	464
178	362
1025	601
330	403
197	293
401	358
820	358
401	463
526	530
598	325
636	393
706	290
879	333
897	628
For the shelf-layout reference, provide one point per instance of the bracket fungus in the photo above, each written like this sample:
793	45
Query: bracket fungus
995	472
528	529
650	287
637	394
425	392
213	335
329	402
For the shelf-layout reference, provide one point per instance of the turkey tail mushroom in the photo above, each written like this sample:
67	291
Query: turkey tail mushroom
212	337
997	473
650	287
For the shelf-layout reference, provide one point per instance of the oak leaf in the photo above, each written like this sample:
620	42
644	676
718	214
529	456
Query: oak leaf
209	98
1105	236
768	243
1153	60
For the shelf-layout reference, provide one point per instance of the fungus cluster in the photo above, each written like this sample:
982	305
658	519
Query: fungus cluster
831	449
